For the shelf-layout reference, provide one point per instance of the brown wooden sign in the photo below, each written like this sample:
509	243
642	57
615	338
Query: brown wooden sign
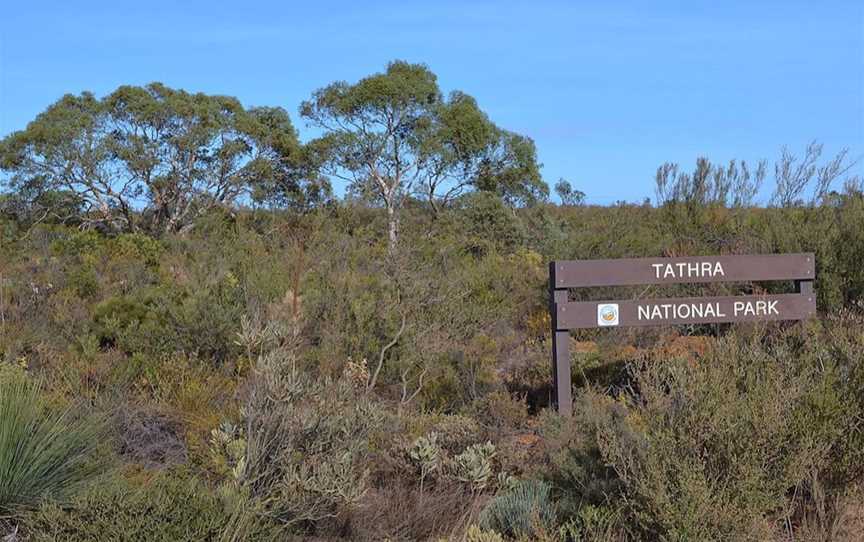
590	273
567	315
688	310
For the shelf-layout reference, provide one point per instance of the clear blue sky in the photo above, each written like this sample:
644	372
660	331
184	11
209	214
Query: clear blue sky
608	90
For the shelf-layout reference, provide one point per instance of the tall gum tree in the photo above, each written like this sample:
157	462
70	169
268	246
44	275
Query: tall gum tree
394	135
155	158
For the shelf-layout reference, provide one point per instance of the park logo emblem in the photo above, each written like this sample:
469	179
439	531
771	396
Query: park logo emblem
607	314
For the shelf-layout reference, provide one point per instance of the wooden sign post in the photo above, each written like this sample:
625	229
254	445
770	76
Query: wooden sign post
567	315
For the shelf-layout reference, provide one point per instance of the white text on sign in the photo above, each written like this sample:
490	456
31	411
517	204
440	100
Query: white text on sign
688	270
684	311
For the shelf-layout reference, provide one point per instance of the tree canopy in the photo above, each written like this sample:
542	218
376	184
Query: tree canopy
155	158
393	135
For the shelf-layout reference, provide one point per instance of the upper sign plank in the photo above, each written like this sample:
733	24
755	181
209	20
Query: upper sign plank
691	269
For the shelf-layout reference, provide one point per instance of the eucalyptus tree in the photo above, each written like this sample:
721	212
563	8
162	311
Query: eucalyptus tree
394	135
467	151
569	195
153	157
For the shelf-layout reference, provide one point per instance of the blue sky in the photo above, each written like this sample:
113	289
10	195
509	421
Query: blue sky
608	90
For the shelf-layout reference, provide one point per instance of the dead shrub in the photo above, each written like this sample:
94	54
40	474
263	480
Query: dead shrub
149	438
400	511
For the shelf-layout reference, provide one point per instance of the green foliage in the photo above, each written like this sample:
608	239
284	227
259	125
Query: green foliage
525	511
474	465
137	246
45	452
709	449
146	322
592	524
500	410
735	185
575	463
83	281
476	534
393	134
306	442
228	448
569	195
78	244
179	153
116	315
489	224
309	321
454	432
171	507
426	453
849	219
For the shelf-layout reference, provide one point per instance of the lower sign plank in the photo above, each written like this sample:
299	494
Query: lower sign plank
688	310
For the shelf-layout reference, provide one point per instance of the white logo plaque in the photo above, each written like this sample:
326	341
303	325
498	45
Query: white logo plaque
607	314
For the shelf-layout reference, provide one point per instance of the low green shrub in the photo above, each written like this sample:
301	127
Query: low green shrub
594	524
115	315
712	448
476	534
138	246
137	323
427	455
78	243
474	466
488	224
306	442
573	461
171	507
455	432
501	411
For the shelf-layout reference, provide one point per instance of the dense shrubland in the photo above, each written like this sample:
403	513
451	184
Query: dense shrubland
253	370
302	380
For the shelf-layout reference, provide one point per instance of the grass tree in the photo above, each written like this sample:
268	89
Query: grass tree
44	453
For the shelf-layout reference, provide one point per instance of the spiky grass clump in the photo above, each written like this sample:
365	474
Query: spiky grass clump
45	453
524	511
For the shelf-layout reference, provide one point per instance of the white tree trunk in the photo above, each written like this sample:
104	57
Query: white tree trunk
392	225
